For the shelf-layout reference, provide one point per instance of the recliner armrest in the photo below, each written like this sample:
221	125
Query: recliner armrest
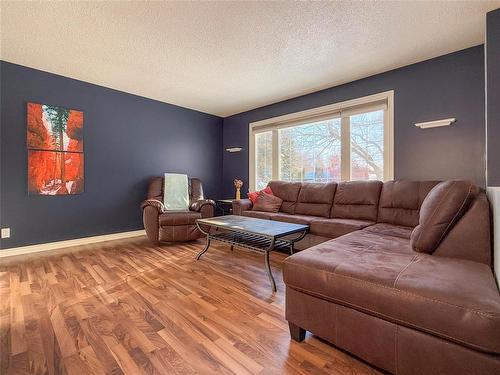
198	205
154	203
241	205
204	206
151	210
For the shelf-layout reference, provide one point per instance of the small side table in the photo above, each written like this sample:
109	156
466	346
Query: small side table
225	206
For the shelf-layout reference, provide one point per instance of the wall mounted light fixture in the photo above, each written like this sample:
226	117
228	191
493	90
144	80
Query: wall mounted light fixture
234	149
435	124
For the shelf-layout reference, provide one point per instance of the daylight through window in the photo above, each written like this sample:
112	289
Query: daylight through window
341	142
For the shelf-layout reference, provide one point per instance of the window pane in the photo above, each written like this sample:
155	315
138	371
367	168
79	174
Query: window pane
263	159
310	152
367	146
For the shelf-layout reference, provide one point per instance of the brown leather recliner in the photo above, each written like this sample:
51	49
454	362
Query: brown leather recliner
174	226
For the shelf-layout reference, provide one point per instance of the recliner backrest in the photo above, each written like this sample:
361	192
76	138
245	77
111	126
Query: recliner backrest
156	185
155	188
195	190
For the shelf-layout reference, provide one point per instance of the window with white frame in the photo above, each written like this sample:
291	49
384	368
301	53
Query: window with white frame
352	140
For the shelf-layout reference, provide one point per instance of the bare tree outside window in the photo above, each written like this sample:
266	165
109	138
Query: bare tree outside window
310	152
367	146
263	159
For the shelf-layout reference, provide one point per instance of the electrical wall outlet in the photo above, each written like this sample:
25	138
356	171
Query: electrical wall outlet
5	232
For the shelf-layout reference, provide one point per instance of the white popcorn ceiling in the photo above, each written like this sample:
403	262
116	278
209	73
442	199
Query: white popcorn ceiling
228	57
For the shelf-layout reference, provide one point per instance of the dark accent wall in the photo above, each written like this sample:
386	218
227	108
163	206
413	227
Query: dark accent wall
447	86
493	96
127	140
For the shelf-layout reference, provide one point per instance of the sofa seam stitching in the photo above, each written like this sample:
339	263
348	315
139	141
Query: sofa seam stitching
404	269
355	204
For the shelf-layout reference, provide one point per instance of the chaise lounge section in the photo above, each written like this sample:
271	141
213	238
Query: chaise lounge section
402	275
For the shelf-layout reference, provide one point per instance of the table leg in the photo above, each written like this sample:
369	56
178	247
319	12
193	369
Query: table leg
292	242
268	266
207	245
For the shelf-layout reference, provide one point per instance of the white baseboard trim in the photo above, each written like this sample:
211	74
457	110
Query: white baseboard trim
494	197
68	243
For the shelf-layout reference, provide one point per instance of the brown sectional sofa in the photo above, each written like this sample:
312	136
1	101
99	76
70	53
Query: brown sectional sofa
365	289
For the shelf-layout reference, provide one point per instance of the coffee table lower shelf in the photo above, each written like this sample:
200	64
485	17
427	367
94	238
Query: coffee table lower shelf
252	241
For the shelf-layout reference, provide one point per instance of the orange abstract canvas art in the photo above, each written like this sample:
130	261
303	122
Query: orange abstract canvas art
55	150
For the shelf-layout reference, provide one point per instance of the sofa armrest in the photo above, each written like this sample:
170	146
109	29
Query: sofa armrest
205	206
151	210
241	205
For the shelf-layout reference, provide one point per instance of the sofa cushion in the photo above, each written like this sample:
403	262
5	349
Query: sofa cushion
315	199
357	200
267	203
288	191
179	218
473	227
295	219
333	228
381	276
252	195
390	230
400	201
259	214
441	209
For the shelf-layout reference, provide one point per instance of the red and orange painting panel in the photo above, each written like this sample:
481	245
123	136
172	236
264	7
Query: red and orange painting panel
55	150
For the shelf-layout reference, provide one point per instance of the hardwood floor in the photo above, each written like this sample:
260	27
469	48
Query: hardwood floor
125	307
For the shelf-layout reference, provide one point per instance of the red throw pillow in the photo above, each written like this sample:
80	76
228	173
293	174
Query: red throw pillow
253	195
267	203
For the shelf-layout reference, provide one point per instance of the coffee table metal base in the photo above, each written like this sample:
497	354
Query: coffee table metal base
253	242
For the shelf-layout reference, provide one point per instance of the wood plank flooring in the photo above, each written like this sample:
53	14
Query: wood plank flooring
126	307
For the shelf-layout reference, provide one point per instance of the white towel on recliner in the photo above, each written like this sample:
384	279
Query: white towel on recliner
175	192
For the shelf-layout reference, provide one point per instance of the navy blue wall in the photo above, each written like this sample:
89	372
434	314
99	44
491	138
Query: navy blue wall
127	139
493	95
447	86
130	138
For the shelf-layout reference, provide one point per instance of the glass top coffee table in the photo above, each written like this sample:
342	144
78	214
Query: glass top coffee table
255	234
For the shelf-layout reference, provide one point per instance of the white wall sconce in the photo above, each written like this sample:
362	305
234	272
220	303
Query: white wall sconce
435	124
234	149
